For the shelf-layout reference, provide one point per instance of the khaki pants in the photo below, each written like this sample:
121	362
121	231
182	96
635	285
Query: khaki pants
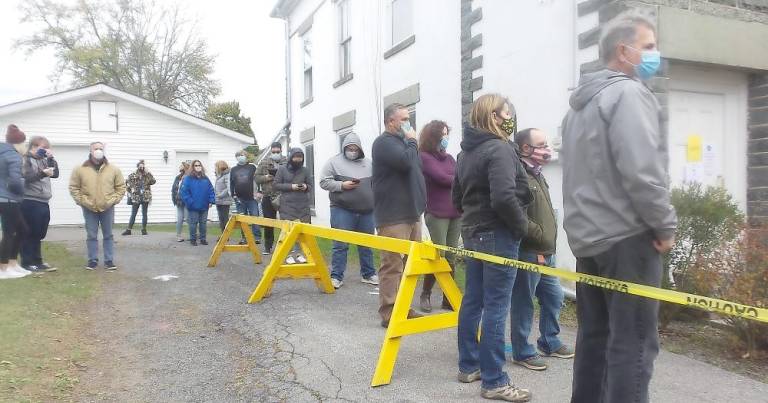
392	265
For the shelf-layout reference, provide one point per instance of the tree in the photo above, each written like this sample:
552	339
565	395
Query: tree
228	114
144	49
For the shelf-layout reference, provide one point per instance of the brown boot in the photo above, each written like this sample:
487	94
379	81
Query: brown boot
424	303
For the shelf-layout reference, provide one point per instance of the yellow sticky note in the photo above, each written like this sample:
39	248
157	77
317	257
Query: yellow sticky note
693	151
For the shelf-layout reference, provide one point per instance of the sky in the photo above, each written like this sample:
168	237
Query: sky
249	65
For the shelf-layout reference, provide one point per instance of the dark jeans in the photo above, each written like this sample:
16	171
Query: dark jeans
197	219
548	291
12	231
351	221
269	211
223	211
250	207
134	210
617	340
37	216
488	295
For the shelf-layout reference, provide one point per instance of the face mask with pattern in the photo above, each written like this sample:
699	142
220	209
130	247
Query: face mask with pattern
509	126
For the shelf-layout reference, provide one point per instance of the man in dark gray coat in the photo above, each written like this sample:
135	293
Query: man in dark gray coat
618	215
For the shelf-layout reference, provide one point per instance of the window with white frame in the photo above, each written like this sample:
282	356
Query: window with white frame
309	163
412	115
307	50
402	20
102	116
345	40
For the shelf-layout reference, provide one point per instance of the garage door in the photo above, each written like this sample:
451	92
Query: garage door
63	208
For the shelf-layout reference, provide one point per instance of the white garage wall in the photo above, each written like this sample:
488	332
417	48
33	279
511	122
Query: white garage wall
143	134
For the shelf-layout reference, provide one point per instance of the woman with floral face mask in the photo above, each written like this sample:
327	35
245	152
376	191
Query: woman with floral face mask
442	219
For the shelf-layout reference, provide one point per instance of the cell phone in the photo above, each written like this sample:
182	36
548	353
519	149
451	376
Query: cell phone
272	171
355	180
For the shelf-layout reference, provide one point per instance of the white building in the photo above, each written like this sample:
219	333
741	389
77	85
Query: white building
348	59
132	129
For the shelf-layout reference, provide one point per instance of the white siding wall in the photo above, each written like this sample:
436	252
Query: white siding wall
143	134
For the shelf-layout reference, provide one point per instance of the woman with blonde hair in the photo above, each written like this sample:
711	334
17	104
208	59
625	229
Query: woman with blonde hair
491	191
223	198
38	168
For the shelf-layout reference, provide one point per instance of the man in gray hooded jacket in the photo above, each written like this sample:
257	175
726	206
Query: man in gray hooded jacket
618	215
347	178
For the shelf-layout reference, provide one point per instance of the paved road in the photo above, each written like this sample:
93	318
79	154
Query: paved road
195	338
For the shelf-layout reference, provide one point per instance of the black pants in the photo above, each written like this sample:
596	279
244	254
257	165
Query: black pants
134	210
618	339
223	210
10	213
37	216
268	210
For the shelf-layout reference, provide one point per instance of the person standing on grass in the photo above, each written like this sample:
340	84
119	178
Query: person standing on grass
97	186
181	210
223	198
39	168
399	196
538	247
618	215
442	219
491	191
198	195
139	185
242	187
347	178
11	196
295	185
265	177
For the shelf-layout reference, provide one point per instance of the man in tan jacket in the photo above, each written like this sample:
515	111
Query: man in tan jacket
97	186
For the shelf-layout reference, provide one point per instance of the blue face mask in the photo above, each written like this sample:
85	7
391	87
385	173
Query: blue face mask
444	143
649	64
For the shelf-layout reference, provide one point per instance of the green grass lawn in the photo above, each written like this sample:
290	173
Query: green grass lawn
40	349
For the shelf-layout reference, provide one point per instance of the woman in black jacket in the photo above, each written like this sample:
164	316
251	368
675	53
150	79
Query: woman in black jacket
295	186
491	191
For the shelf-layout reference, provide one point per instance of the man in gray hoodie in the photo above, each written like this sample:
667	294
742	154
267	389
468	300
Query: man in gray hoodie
347	178
618	215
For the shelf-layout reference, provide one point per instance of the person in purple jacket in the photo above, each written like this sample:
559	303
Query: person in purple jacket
442	219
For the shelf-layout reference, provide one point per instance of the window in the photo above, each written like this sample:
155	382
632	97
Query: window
412	113
345	40
309	162
402	20
307	39
102	116
343	133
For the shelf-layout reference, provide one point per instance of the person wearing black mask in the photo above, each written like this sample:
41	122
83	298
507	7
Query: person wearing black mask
295	185
265	178
39	168
139	190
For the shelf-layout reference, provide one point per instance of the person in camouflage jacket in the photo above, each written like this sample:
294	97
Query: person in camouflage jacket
139	189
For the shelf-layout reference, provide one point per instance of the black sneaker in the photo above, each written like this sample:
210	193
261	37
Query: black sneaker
258	242
33	268
203	242
266	251
92	264
47	267
242	242
144	231
193	242
110	266
127	232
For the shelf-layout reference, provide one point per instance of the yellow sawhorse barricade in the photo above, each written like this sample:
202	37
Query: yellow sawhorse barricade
423	258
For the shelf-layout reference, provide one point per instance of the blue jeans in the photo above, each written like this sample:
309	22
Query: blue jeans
181	215
550	295
197	219
351	221
488	295
93	220
250	207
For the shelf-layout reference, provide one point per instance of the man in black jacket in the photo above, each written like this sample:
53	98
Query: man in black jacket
242	187
400	197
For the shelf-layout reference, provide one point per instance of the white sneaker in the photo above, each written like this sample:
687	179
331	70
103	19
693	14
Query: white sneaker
336	283
290	260
373	280
19	269
9	274
301	259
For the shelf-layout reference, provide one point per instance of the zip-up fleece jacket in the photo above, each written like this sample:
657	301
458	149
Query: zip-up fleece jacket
197	192
222	189
399	191
542	224
37	185
11	182
339	169
490	188
97	188
614	165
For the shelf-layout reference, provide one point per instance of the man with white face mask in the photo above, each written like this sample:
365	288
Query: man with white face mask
242	187
97	186
538	247
265	177
347	178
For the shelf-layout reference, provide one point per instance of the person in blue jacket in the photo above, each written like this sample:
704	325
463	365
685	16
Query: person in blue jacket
198	195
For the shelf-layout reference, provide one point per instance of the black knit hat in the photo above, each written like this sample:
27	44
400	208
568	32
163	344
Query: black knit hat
277	145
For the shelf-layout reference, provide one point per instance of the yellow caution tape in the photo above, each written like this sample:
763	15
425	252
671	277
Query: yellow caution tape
675	297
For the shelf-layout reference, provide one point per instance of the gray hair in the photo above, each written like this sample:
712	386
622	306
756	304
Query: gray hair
390	110
623	29
241	152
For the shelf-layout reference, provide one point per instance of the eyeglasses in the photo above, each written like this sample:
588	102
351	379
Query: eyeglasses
197	166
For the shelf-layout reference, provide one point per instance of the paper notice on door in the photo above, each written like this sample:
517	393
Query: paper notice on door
693	149
710	161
